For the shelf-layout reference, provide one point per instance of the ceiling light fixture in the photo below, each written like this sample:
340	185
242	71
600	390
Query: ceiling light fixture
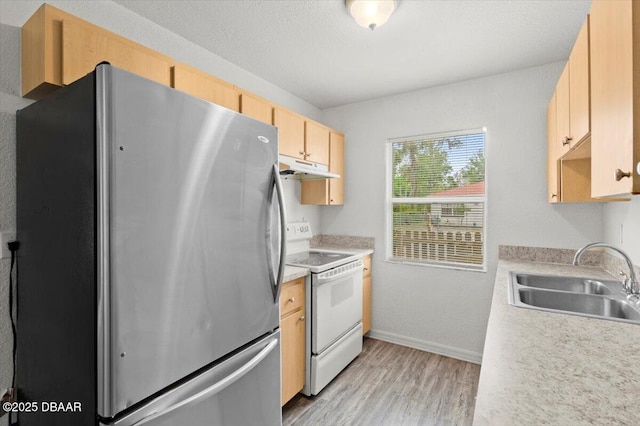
371	13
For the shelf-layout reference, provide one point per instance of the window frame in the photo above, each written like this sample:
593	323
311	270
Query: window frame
390	201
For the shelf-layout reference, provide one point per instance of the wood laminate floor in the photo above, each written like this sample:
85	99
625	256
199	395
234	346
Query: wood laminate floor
392	385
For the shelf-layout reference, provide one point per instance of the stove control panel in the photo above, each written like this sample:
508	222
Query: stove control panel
299	231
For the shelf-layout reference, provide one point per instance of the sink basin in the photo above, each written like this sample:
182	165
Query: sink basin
572	295
579	303
572	284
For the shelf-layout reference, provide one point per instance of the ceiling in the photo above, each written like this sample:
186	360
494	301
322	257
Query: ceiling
316	51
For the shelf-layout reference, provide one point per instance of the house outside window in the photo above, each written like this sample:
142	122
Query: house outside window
452	209
436	193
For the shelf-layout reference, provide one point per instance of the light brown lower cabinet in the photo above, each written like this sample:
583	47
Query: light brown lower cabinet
366	294
292	337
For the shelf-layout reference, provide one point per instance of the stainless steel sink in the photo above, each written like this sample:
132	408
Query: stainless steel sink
572	295
572	284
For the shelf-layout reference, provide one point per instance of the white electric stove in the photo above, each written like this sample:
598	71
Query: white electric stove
334	301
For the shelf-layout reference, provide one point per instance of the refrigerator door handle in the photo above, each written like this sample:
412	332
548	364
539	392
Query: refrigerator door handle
215	388
283	233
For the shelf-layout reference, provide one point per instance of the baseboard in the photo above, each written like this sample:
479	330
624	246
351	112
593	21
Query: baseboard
436	348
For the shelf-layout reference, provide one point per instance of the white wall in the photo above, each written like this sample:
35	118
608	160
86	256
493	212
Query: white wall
627	215
297	212
112	16
439	309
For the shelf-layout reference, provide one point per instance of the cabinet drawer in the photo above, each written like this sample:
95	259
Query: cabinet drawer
291	296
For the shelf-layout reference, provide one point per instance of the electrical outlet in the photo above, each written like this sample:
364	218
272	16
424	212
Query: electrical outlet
7	395
5	238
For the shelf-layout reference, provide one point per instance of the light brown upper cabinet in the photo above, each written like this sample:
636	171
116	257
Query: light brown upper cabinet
59	48
572	95
563	116
579	104
256	107
301	138
290	132
328	191
202	85
316	142
553	182
568	128
615	97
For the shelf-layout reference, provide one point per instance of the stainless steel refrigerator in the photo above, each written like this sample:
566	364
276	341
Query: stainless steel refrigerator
151	226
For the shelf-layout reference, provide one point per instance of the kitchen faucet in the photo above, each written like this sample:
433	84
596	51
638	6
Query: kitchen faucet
631	285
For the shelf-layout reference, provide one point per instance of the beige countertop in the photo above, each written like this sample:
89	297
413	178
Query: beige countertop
549	368
293	272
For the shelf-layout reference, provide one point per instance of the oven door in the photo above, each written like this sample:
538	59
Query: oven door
336	304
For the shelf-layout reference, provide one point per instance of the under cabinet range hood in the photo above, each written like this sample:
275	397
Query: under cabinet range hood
303	170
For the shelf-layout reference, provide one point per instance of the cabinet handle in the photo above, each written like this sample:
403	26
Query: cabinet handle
366	269
301	153
302	318
308	154
620	174
554	196
566	140
292	299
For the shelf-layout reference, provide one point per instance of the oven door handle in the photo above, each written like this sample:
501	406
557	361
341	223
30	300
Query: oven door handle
277	280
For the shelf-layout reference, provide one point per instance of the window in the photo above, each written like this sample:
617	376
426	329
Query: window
436	200
457	209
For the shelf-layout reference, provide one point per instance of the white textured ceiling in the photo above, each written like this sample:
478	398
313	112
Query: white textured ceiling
314	49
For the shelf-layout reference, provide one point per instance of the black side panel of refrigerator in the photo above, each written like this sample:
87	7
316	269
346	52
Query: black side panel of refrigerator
56	226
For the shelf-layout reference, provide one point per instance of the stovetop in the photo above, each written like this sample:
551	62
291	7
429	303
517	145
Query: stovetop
316	258
319	260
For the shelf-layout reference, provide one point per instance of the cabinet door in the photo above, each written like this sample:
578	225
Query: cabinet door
336	165
327	191
85	45
553	193
292	329
290	133
316	143
366	304
256	108
579	110
563	116
204	86
614	146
